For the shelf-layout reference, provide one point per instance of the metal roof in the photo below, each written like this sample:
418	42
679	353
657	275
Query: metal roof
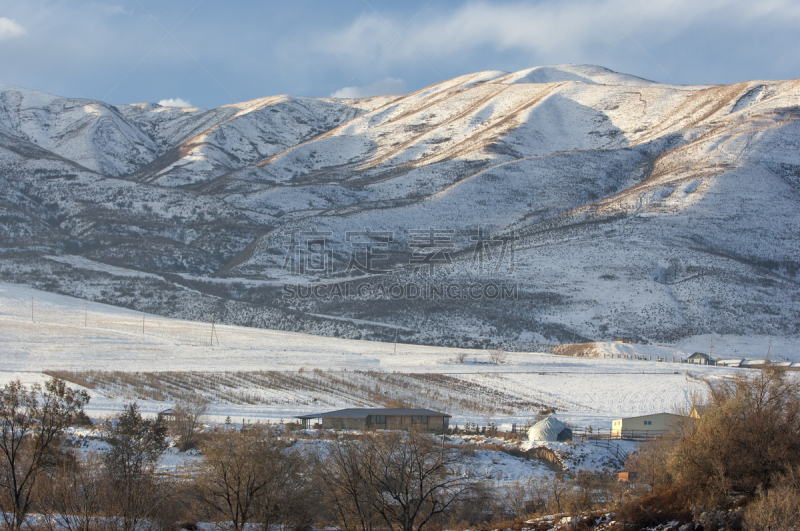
361	413
652	415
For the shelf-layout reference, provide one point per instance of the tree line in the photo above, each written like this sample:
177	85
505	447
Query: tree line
254	475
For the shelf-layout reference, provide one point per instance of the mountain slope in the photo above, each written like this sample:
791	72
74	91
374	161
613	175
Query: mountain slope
598	204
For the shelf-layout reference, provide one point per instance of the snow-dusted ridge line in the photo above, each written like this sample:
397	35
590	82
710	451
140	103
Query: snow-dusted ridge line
615	188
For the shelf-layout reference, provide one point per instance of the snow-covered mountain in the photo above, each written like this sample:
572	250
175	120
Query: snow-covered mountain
543	205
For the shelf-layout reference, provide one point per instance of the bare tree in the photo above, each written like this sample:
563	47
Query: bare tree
236	472
412	478
558	491
186	418
343	471
514	498
75	494
649	463
287	497
538	491
32	421
498	355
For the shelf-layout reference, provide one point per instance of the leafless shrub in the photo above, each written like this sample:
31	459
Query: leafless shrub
253	475
749	432
663	505
515	498
649	463
557	492
186	418
498	355
778	508
537	490
73	496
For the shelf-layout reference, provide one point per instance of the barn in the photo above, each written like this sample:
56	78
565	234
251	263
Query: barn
378	419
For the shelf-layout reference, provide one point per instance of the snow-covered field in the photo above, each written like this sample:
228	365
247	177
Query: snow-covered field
69	334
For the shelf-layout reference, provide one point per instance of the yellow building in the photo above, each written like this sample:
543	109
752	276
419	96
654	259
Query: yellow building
645	426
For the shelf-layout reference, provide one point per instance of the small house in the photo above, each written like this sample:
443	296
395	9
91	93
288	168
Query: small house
645	425
701	358
378	419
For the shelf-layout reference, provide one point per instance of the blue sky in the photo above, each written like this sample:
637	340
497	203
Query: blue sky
214	52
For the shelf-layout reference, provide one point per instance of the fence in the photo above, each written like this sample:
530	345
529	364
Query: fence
608	434
607	438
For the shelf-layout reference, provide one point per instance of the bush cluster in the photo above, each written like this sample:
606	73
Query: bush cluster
737	466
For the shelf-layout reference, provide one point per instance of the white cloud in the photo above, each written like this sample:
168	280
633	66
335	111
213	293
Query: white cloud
175	102
550	28
389	85
9	29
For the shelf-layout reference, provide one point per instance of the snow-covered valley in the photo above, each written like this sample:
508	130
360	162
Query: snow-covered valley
274	375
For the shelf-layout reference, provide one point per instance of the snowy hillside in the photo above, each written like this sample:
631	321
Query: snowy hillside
561	203
256	373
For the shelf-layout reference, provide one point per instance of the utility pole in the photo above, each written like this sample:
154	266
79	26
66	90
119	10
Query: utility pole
768	349
213	331
395	339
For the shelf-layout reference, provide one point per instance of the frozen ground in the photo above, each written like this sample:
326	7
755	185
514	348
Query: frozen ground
68	334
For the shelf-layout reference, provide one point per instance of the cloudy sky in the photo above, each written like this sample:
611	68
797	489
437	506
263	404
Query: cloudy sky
213	52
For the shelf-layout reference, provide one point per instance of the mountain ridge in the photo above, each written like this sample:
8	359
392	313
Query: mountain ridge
632	208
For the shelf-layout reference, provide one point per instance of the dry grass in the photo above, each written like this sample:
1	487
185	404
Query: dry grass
578	350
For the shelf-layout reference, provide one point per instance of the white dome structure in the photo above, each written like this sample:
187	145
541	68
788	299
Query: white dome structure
550	430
